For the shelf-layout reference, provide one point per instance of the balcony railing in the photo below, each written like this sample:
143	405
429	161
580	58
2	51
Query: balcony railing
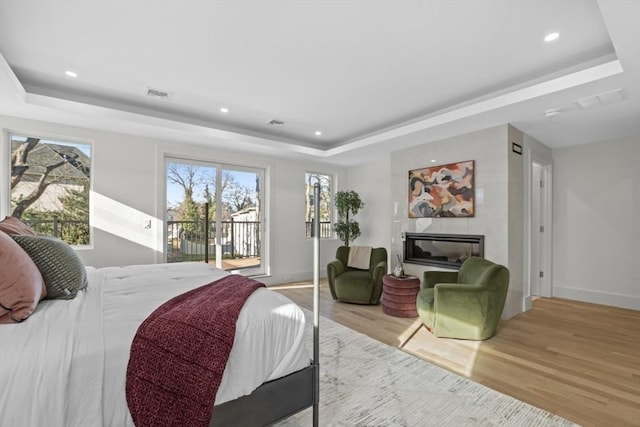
326	230
187	240
74	232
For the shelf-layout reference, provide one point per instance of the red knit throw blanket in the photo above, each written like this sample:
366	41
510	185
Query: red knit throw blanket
180	351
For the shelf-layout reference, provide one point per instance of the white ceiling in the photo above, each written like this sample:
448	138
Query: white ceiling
363	73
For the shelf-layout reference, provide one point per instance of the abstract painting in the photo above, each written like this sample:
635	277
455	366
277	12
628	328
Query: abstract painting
442	191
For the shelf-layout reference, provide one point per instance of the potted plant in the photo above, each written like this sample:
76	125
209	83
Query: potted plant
348	203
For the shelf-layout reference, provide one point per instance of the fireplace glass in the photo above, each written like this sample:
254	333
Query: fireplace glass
442	250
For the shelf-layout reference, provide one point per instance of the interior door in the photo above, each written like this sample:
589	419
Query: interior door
541	231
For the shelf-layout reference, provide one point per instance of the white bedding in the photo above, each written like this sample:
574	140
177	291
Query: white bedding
66	365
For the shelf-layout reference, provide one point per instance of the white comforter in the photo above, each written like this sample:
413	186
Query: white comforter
66	365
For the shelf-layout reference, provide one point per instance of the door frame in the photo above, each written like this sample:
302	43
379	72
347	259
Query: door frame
219	167
546	240
542	247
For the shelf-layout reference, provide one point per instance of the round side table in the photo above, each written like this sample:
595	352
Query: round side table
399	295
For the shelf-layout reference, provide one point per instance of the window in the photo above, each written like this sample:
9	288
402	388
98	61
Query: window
326	209
214	213
50	184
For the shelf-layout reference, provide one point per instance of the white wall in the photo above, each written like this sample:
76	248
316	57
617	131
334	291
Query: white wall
596	200
371	182
596	211
128	187
516	223
491	151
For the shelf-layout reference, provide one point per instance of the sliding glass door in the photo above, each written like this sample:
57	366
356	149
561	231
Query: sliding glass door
214	215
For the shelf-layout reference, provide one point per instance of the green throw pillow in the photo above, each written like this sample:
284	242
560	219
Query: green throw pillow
63	272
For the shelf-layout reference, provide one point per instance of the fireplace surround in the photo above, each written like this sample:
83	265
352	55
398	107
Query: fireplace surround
441	250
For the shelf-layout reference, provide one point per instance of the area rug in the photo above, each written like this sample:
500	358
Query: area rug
367	383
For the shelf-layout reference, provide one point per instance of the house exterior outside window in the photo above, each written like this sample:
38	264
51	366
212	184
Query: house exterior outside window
50	186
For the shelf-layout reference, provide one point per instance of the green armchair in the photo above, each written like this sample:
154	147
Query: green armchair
354	285
465	304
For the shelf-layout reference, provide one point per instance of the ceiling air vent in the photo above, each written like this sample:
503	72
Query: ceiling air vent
275	122
604	98
155	93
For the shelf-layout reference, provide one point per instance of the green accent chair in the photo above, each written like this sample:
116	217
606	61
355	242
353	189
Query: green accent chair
354	285
465	304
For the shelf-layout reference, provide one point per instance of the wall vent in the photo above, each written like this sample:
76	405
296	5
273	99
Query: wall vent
155	93
604	98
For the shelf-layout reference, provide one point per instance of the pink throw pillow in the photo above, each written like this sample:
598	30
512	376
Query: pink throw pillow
12	225
21	284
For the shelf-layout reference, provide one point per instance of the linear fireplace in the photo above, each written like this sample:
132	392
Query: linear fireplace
441	250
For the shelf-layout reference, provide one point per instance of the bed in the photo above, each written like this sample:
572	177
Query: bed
54	354
66	362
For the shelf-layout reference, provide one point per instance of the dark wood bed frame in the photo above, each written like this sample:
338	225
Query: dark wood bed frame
282	397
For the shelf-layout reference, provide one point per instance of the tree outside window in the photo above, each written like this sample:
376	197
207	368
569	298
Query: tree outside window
50	185
326	210
234	213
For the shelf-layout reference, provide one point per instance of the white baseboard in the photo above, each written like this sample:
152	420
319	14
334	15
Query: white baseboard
597	297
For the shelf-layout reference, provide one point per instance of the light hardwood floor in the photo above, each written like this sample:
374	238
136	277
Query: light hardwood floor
577	360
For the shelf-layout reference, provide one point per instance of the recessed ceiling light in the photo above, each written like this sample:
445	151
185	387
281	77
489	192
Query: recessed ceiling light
70	73
551	37
318	133
224	110
433	160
